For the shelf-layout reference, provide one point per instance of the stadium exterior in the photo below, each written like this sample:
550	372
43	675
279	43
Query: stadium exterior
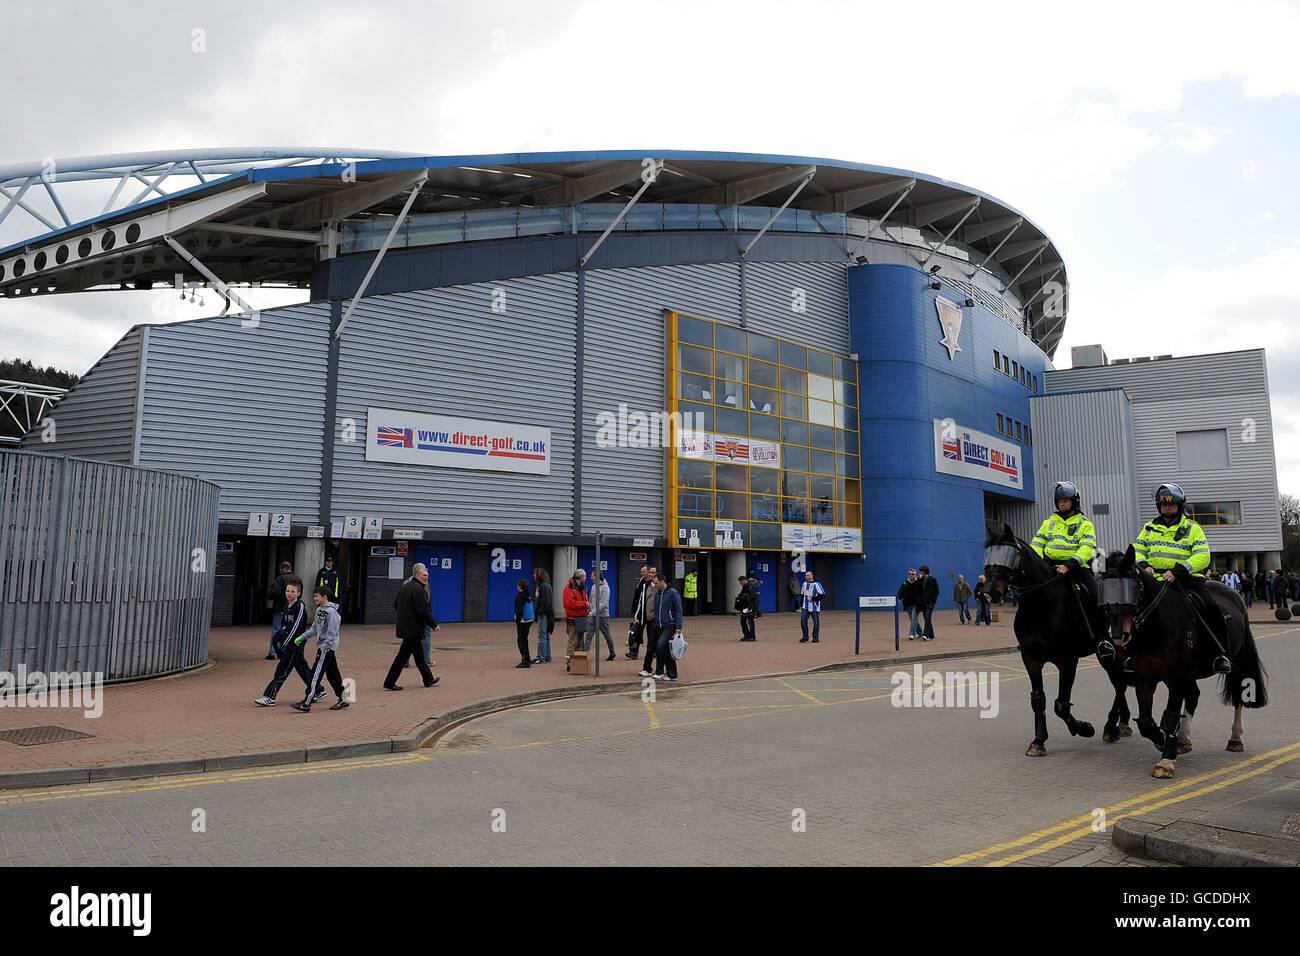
490	341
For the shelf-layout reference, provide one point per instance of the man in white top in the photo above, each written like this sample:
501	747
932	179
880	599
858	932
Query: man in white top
811	607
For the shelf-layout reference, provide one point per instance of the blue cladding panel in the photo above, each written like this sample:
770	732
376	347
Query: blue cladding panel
911	514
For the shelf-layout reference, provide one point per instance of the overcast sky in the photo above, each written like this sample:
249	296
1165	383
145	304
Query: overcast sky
1157	144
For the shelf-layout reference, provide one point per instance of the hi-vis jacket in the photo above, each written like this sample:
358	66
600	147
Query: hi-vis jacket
1162	546
1060	539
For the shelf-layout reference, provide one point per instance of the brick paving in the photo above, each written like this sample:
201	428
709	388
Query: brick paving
210	712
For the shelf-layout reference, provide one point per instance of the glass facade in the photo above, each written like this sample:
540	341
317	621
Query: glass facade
767	455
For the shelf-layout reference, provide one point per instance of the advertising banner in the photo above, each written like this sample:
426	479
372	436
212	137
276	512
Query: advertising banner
971	454
439	441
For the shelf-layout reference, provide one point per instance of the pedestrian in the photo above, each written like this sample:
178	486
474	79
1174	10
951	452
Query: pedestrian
599	616
413	616
792	585
1247	588
1281	588
328	579
576	609
811	592
929	598
426	643
289	655
747	605
649	608
982	603
544	602
636	631
277	604
961	593
325	628
909	593
668	615
525	612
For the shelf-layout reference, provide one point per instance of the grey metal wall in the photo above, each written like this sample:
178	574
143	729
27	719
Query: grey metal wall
243	407
1088	438
96	419
624	341
769	301
1229	391
445	351
101	571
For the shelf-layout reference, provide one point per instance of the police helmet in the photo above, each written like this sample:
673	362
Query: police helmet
1066	489
1170	494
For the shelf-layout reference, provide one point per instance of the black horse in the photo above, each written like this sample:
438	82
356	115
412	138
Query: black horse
1053	624
1161	627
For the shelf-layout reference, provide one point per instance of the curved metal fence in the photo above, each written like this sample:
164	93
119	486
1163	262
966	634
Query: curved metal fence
106	568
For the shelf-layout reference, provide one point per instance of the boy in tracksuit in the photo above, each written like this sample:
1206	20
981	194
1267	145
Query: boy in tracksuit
290	655
325	628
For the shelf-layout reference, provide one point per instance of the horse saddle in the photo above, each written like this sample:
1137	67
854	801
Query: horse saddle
1235	636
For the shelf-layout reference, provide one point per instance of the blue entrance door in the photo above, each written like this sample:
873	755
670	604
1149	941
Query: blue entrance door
505	567
768	569
609	567
446	564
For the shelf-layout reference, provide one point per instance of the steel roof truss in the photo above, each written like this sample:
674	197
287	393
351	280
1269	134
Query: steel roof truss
969	213
881	221
812	171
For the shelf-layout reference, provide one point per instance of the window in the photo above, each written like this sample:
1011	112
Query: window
1015	370
1035	384
999	424
1029	436
1006	365
997	359
1203	450
1019	434
1214	513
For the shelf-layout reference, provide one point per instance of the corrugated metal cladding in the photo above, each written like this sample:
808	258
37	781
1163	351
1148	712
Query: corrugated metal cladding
241	406
107	568
1087	438
771	296
622	487
446	351
96	419
1228	391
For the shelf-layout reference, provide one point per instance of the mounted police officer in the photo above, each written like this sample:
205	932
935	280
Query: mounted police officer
1173	546
1067	540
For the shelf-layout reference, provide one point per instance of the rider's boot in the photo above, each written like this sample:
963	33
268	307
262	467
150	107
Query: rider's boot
1105	652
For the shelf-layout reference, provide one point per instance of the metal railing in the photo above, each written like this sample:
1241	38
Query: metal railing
107	568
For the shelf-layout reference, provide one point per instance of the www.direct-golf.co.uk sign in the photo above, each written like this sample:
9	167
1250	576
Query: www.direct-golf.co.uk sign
411	438
972	454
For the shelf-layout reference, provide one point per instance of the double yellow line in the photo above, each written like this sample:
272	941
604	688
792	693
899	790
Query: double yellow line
1076	828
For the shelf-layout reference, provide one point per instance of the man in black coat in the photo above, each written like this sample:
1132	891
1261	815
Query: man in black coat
929	598
413	616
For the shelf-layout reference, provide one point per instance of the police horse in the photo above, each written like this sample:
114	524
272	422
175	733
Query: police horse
1055	623
1159	626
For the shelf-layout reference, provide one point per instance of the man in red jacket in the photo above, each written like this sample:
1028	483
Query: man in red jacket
576	609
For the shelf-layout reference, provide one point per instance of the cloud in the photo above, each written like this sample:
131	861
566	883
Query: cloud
1196	139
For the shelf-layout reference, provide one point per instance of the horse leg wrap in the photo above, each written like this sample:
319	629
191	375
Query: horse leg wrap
1169	721
1062	710
1038	701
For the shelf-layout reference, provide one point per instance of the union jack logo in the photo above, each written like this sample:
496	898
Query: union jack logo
952	449
394	437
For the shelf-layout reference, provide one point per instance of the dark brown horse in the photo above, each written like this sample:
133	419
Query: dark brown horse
1160	626
1054	624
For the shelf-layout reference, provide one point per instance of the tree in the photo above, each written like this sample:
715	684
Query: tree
1290	505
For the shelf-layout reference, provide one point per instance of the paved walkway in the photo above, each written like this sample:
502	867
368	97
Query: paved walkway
210	713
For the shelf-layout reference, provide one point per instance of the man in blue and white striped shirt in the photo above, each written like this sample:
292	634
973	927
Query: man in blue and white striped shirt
811	593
